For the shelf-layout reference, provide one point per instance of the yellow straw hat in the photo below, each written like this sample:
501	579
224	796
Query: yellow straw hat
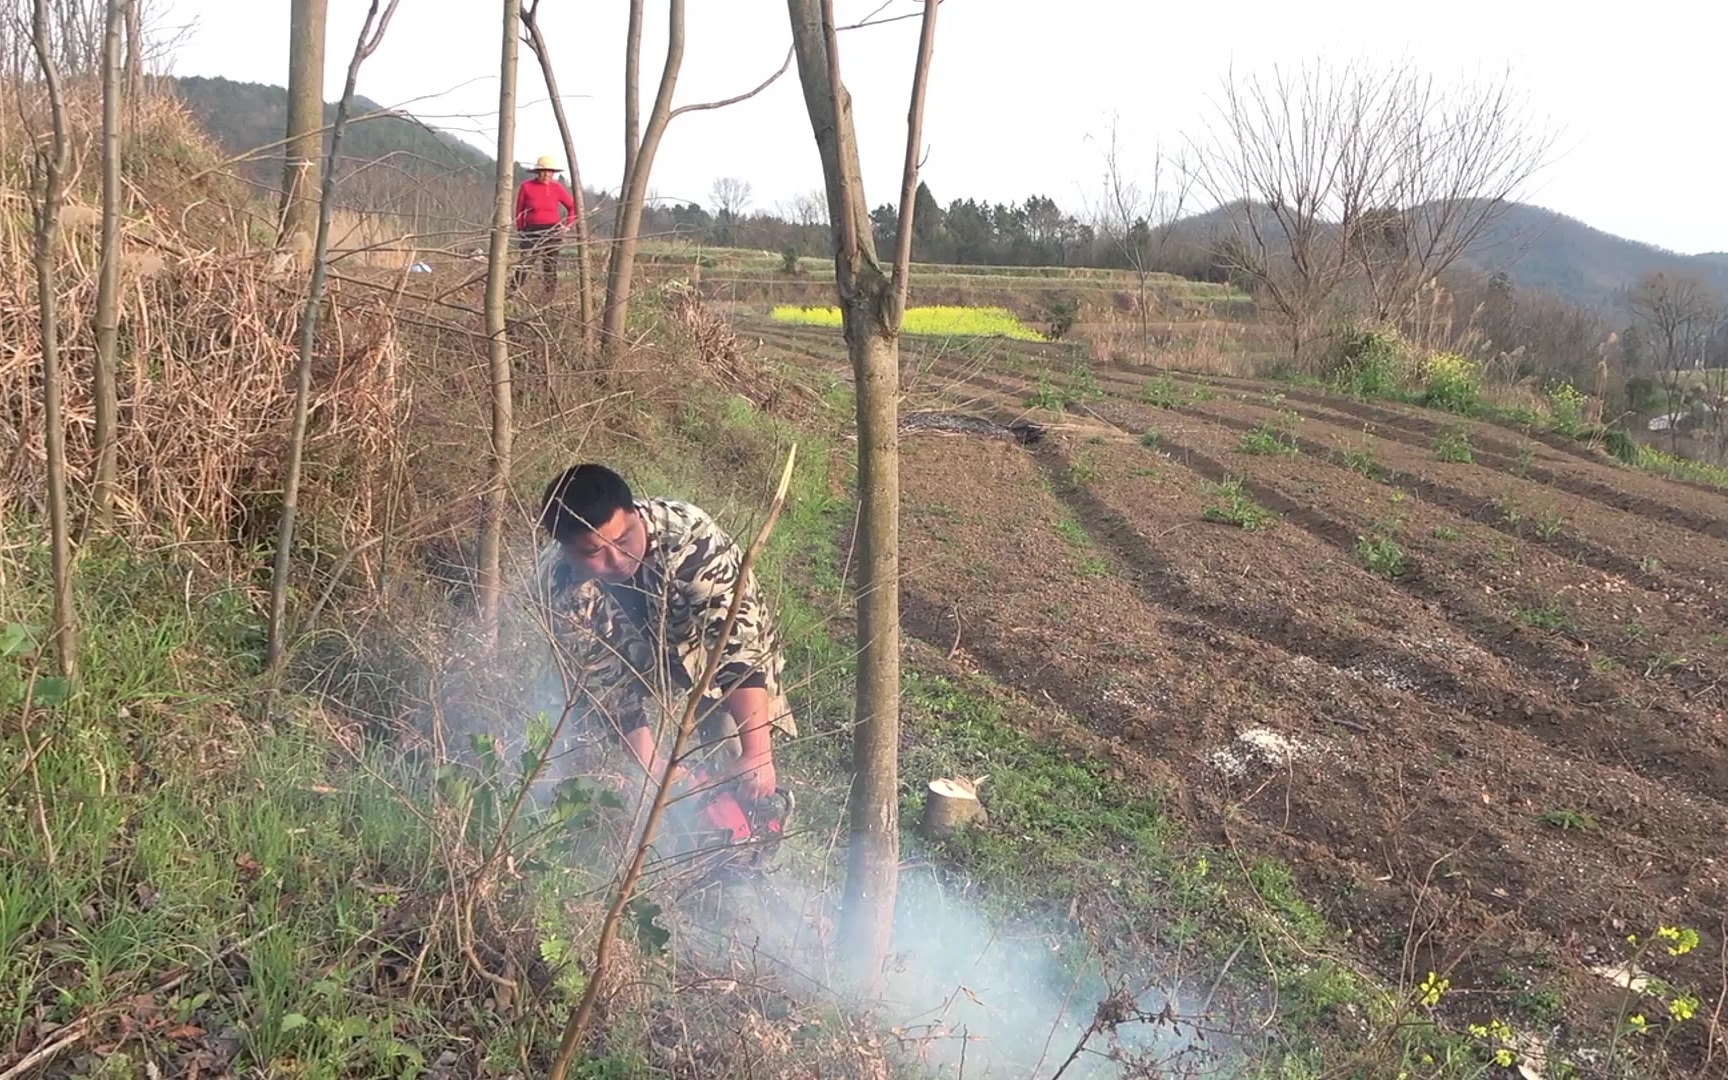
546	163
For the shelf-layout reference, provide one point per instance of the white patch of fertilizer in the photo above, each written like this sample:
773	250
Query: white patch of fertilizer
1258	748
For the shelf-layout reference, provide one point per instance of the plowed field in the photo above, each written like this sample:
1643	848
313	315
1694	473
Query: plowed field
1495	685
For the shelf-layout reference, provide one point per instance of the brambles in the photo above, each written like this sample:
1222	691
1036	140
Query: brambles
1454	446
1233	505
1268	440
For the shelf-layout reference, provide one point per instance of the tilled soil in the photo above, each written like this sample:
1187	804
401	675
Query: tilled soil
1515	748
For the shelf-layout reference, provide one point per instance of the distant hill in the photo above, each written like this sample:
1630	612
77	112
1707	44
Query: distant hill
446	178
1543	249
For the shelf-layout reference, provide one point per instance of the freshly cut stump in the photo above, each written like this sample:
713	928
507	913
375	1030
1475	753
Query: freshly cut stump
949	806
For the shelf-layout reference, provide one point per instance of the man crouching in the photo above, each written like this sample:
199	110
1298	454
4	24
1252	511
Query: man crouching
637	591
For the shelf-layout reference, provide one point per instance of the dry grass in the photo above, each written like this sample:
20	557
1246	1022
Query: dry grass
379	241
207	343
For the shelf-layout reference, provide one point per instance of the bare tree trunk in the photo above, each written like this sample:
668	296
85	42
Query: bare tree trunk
300	183
584	272
108	286
632	102
275	647
639	164
52	165
871	304
498	343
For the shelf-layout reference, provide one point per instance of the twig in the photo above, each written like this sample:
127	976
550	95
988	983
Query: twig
747	95
577	1025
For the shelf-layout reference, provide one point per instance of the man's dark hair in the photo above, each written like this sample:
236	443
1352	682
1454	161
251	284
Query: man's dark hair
580	498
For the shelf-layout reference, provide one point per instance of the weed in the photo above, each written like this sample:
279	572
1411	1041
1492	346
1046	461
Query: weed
1661	664
1526	458
1073	532
1203	390
1081	471
1621	446
1360	459
1060	314
1046	396
1371	363
1454	446
1542	1004
1548	523
1267	439
1447	532
1083	384
1575	820
1605	665
1549	614
1150	439
1161	392
1378	551
1233	505
1650	564
1093	567
1663	463
1565	408
1453	383
1380	555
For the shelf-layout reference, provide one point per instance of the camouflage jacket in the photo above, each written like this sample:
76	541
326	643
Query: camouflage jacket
631	646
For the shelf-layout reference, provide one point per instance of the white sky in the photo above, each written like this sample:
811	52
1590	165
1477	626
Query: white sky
1633	87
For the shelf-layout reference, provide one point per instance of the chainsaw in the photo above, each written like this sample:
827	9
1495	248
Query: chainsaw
726	819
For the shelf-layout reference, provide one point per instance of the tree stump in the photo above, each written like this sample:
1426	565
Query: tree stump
949	806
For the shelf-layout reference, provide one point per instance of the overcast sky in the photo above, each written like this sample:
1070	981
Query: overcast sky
1021	90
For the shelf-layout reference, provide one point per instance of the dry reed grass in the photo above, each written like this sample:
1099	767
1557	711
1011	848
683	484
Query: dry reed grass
206	341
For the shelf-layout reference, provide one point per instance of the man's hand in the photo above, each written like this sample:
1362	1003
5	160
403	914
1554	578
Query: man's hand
755	777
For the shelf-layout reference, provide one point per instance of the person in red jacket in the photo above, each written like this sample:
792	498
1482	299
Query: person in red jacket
544	209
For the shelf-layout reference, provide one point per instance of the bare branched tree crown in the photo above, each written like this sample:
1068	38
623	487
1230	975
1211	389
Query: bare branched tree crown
1342	189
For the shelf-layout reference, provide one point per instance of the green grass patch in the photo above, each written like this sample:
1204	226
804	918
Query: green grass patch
1675	467
179	836
938	321
1549	614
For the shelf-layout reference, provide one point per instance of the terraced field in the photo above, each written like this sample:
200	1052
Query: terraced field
1466	680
